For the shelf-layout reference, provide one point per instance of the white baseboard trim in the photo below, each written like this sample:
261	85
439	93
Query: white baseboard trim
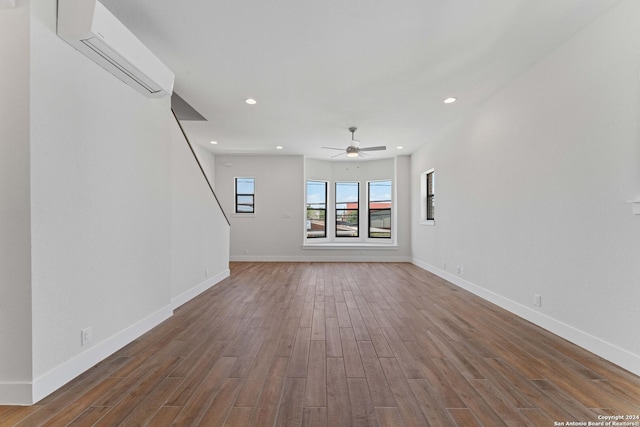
611	352
316	258
188	295
52	380
15	393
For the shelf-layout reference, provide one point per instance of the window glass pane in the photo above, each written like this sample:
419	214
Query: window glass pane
431	207
380	223
316	209
245	185
347	213
380	209
244	203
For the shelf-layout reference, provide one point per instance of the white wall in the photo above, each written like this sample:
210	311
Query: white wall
119	230
101	202
15	229
207	160
531	192
200	233
271	236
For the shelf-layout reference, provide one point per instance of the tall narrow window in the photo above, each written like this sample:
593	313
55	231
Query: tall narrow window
431	200
379	209
316	209
347	210
245	195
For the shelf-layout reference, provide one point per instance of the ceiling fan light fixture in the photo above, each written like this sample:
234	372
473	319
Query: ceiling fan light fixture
352	154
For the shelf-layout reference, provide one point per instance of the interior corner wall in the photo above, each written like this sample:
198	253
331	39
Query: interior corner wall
101	208
268	235
15	228
276	231
199	230
207	161
532	190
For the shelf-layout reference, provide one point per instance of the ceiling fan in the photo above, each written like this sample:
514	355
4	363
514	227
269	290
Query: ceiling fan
354	150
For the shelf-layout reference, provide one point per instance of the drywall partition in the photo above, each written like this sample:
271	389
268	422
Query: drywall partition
199	229
532	190
100	208
15	228
207	160
276	231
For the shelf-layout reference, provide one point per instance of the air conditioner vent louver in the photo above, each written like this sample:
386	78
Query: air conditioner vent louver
127	69
89	27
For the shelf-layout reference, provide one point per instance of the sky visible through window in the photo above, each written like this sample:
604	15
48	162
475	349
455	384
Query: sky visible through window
315	192
245	185
380	191
347	192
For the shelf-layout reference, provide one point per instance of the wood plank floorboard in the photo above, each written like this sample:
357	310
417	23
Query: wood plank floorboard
339	344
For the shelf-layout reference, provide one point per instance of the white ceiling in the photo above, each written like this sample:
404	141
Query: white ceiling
318	67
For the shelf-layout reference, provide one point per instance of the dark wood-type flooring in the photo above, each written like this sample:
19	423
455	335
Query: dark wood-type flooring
339	344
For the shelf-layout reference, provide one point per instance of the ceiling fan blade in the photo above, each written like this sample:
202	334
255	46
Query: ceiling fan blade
378	148
338	155
333	148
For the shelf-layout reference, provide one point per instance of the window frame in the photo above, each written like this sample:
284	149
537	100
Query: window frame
356	210
426	177
325	209
238	195
369	210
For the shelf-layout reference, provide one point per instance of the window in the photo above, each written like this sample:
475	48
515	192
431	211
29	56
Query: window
431	206
379	209
428	198
316	209
245	195
347	211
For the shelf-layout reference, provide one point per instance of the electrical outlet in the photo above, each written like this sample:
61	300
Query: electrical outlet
86	335
537	300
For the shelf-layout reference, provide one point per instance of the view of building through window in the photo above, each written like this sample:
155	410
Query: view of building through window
379	209
347	211
431	198
316	209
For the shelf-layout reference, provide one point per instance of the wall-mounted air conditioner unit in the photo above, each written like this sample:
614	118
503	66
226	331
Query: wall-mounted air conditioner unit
89	27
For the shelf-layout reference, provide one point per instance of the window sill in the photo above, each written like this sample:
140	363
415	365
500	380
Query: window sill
427	222
244	215
361	245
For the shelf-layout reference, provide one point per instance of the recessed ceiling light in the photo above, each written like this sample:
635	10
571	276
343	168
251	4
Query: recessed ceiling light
279	147
450	100
399	147
213	142
250	101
